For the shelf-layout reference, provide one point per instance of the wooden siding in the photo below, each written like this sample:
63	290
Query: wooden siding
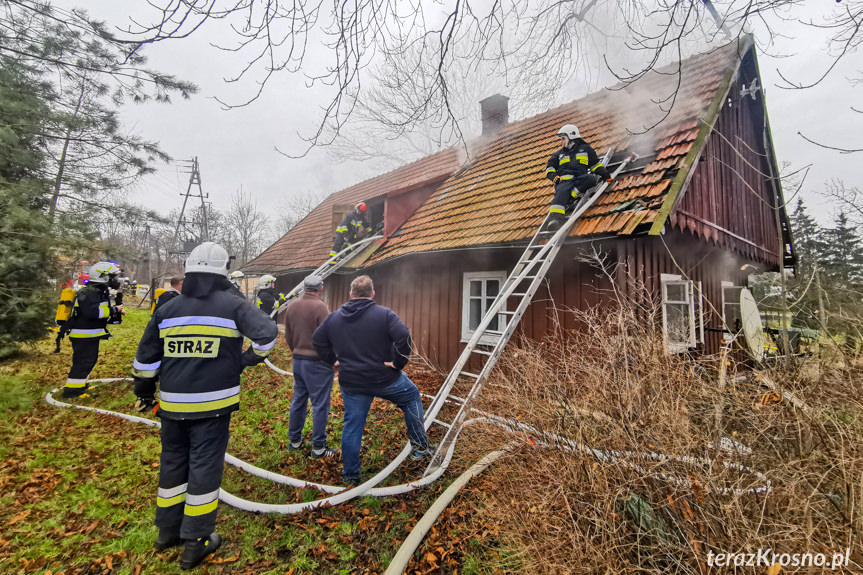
730	199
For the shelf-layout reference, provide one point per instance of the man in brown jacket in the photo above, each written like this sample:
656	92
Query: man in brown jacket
313	379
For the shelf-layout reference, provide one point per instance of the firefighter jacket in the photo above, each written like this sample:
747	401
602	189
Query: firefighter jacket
165	297
266	301
353	227
90	313
570	163
194	347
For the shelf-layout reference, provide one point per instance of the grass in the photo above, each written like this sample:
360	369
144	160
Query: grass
78	488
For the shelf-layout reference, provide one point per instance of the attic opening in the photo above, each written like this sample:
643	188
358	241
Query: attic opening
374	213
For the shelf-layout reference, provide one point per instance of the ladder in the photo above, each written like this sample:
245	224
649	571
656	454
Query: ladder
522	283
328	268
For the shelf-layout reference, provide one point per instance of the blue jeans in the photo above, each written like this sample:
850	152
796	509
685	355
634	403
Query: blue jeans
404	394
313	379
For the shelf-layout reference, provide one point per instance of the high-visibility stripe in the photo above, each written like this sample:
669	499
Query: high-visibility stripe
145	366
342	229
566	177
563	160
196	510
598	165
198	407
87	333
581	158
175	397
202	499
556	210
168	492
332	254
76	383
145	373
104	310
575	193
550	170
266	346
198	320
170	501
199	330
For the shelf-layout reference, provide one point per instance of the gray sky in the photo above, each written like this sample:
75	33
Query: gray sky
236	147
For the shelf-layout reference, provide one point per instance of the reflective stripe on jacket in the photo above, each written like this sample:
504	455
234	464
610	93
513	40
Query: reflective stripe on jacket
90	313
569	163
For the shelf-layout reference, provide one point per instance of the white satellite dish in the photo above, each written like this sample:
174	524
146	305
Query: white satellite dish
752	329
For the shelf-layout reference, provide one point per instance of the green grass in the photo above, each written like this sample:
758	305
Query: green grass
79	488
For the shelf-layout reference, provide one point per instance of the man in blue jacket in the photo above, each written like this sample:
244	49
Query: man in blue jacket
372	345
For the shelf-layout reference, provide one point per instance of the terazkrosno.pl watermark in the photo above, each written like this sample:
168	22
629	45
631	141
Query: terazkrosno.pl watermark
768	558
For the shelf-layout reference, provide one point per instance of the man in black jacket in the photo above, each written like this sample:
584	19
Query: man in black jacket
372	345
169	294
90	315
574	169
194	346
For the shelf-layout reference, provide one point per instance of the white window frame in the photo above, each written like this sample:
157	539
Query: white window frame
693	301
468	277
727	334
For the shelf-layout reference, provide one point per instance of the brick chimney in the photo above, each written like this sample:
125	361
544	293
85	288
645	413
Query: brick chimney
495	114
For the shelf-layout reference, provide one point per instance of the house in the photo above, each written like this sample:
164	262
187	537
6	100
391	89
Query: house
684	220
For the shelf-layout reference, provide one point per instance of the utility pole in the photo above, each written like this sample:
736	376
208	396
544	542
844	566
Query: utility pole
183	244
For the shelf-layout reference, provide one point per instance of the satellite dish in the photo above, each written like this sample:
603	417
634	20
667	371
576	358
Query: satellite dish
752	330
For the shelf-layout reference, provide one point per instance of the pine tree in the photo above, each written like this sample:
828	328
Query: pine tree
26	255
843	253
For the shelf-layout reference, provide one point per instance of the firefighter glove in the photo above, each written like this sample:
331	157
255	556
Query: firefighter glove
609	179
145	404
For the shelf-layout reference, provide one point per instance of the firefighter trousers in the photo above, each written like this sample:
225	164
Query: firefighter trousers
566	192
190	474
85	354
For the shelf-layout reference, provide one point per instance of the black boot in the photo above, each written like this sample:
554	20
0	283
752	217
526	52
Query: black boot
553	225
167	539
197	550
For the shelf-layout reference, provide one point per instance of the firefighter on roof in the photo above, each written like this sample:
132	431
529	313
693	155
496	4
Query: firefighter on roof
193	346
91	311
574	169
353	228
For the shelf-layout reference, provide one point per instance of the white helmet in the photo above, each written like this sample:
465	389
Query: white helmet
101	272
208	258
570	131
266	282
237	275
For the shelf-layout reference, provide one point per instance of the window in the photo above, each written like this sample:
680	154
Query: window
479	291
682	317
731	318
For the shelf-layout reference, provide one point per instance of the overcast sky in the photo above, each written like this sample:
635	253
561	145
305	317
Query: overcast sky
236	147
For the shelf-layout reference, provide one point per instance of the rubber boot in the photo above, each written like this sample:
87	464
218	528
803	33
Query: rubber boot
167	539
197	550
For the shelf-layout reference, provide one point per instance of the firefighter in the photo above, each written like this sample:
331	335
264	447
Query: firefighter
170	293
236	279
194	348
90	314
353	228
266	299
574	169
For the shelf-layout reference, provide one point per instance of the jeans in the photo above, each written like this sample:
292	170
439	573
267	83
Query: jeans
404	394
313	379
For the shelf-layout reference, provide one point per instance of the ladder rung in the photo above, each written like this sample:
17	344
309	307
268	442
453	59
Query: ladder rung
514	294
456	398
507	312
442	423
481	352
469	374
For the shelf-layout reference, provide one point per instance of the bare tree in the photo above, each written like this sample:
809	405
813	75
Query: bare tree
553	39
245	227
293	209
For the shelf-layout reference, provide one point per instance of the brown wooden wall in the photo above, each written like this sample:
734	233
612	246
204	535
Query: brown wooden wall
425	290
730	198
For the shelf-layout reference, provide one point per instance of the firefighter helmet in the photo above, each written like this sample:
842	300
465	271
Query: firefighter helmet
208	258
570	131
101	273
267	281
237	275
360	207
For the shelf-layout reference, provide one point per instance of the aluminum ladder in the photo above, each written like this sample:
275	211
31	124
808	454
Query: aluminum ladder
523	282
328	268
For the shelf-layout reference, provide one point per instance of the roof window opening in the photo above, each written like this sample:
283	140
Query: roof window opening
374	214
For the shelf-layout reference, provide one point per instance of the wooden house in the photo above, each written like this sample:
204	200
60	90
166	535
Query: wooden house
686	219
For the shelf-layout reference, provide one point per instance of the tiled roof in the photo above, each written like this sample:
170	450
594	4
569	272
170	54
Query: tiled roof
308	244
502	196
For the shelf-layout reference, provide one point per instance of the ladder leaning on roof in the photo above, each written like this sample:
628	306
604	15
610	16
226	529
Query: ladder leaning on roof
324	270
523	282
